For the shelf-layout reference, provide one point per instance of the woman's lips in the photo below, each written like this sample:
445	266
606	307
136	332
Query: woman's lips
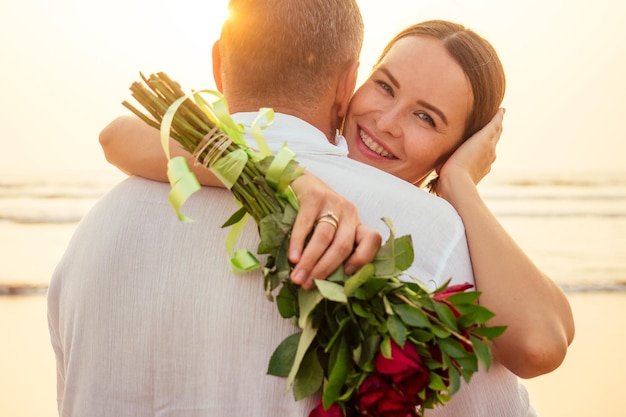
373	146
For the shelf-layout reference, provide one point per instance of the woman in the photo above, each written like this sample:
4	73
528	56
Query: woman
434	86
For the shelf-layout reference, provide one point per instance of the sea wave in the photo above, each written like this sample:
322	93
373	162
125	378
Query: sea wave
49	201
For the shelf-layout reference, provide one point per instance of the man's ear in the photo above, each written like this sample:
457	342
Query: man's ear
217	65
345	88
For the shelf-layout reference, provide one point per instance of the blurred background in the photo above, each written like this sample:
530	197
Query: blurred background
558	186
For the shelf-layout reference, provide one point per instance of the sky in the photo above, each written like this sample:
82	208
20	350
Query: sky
67	65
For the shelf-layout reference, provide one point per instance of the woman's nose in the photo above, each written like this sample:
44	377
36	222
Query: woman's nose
388	122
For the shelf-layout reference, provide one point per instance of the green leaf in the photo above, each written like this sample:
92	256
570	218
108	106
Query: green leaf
339	363
397	330
436	383
306	338
371	288
483	351
385	261
452	348
238	215
385	347
478	313
338	276
489	332
445	314
440	332
309	378
404	255
286	302
467	374
369	349
421	335
466	297
455	381
283	356
469	362
307	301
283	267
331	291
361	311
337	333
272	232
411	315
359	278
289	215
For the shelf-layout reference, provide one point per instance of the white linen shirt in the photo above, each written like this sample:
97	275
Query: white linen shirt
146	318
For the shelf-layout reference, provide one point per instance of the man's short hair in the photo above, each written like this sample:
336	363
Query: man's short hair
280	48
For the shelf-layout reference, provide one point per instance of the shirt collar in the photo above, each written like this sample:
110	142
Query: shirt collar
300	136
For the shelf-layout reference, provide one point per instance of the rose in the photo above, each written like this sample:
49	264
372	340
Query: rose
333	411
392	390
405	367
379	398
442	296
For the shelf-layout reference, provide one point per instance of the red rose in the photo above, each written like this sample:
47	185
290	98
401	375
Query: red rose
405	368
378	397
454	289
333	411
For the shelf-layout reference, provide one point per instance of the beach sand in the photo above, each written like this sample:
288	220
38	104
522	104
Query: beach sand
589	382
586	384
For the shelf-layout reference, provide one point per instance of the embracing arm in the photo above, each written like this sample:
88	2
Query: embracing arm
535	309
135	148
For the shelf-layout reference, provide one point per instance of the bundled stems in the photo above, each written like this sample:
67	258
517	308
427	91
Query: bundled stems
190	130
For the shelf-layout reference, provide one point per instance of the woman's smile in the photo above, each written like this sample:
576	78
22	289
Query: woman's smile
374	146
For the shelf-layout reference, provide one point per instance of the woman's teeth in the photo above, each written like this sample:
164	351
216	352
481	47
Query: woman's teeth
373	146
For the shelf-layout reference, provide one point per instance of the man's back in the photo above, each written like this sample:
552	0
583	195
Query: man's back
152	322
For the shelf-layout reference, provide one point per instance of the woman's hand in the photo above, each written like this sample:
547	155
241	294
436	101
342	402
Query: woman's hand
338	234
473	158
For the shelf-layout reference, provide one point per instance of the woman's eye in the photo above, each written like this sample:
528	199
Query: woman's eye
426	118
385	87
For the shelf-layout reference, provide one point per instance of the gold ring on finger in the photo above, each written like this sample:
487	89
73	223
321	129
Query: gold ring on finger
329	220
330	214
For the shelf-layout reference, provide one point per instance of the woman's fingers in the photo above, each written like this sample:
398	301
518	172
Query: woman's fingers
327	232
351	243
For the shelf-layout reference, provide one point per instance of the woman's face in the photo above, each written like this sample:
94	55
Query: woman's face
411	112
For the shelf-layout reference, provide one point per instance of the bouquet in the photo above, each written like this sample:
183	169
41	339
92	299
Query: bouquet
377	343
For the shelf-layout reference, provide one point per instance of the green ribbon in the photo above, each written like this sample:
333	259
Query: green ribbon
277	178
257	128
184	183
229	167
275	173
241	260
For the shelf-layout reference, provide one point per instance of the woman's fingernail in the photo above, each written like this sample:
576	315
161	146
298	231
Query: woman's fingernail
298	277
294	255
349	269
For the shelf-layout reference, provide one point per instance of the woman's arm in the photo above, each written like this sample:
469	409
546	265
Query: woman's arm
535	309
135	148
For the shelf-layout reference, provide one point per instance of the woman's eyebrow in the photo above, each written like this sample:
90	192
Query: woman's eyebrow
434	110
429	106
391	77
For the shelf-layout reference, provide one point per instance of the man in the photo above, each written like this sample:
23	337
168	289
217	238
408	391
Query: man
146	318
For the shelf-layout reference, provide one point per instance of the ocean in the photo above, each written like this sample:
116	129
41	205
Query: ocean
572	226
